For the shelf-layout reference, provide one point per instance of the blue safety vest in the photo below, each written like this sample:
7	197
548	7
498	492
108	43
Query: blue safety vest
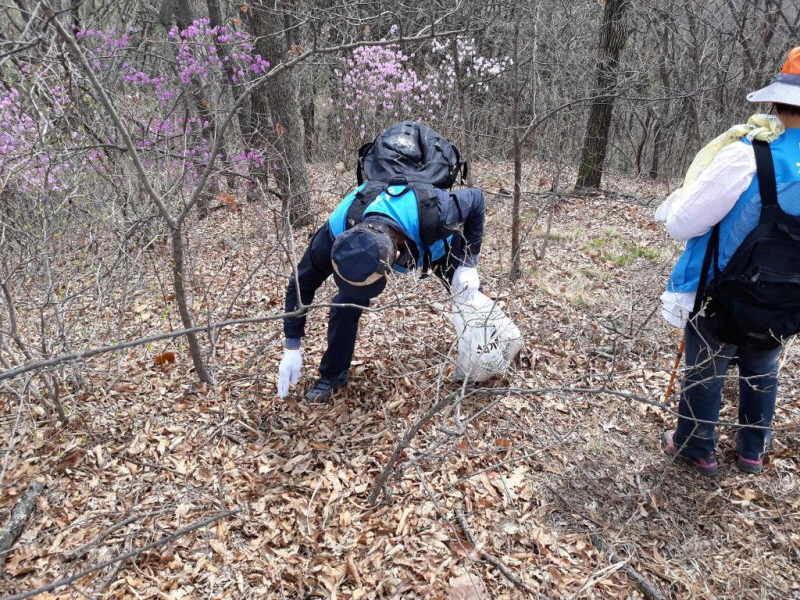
743	217
399	203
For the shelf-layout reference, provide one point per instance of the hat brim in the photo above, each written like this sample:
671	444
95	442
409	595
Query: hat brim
779	92
359	292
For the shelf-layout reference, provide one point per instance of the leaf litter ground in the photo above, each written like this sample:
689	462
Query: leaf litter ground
504	494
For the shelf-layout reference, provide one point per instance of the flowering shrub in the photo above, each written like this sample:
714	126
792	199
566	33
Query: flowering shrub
198	63
25	165
381	84
148	97
477	70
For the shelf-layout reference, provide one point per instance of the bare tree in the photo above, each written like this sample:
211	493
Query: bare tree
613	34
285	131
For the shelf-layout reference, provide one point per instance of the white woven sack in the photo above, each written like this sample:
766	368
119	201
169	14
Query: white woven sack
487	339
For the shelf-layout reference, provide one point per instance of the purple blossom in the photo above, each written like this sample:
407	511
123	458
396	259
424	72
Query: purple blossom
178	145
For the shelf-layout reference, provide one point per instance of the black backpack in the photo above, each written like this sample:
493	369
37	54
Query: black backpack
755	299
417	157
410	152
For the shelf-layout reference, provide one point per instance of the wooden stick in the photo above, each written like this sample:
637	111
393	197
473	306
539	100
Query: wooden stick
79	552
19	515
648	589
675	370
492	560
381	483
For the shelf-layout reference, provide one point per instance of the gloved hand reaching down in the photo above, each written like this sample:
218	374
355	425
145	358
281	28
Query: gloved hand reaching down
289	370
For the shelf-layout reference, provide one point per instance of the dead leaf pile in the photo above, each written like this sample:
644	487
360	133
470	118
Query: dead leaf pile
566	446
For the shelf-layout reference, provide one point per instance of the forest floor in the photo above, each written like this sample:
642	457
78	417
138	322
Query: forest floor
549	483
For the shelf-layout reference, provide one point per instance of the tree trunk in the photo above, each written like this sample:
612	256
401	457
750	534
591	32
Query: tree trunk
516	251
466	142
179	285
658	148
286	132
613	35
308	112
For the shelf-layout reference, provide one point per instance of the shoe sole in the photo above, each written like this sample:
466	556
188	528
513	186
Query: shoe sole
749	469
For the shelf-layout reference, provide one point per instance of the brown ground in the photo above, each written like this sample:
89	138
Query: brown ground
542	475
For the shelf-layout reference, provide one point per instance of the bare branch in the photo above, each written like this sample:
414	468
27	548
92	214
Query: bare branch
19	515
122	557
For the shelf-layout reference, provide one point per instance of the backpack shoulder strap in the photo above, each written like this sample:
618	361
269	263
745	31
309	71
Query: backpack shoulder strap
710	257
364	197
430	222
362	153
767	187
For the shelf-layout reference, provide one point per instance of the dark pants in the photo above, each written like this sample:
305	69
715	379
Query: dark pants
342	332
707	361
343	321
313	269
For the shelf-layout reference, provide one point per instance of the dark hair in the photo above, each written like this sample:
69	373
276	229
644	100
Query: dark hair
787	109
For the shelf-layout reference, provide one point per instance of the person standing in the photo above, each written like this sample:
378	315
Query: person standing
749	183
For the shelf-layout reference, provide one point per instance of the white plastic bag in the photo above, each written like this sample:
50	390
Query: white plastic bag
487	339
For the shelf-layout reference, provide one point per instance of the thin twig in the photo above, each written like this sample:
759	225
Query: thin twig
492	560
107	581
79	552
380	484
648	589
250	429
64	358
160	542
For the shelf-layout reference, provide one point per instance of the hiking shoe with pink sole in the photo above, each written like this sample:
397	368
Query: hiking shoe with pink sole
748	465
706	466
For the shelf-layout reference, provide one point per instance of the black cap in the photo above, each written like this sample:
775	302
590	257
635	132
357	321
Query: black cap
362	256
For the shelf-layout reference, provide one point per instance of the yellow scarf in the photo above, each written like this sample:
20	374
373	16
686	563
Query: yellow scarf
759	127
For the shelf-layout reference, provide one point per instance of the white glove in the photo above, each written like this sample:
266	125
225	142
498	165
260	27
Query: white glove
289	371
466	282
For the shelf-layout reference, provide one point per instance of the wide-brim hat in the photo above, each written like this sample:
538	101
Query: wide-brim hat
786	87
362	257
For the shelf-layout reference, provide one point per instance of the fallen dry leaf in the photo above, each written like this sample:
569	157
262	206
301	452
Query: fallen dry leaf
467	587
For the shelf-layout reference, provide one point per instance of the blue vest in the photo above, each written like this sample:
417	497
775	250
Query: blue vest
402	209
744	215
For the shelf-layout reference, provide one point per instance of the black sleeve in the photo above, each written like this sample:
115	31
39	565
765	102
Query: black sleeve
465	211
314	268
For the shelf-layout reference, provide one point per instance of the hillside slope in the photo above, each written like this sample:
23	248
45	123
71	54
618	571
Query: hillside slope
550	481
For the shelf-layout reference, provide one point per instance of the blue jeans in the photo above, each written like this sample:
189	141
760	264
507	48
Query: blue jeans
707	361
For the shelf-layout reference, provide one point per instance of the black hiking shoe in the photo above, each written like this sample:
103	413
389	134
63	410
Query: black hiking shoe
326	386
